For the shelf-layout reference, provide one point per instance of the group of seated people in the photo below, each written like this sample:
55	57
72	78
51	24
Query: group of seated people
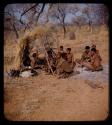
90	59
54	59
63	61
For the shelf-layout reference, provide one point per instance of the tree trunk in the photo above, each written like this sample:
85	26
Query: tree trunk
90	24
64	29
41	11
15	31
46	56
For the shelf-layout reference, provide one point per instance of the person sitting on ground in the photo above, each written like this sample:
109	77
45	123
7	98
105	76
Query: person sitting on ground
70	57
51	60
97	51
66	64
95	64
61	51
85	56
33	57
61	60
93	45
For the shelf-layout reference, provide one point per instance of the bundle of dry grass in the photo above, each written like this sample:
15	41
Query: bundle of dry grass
42	34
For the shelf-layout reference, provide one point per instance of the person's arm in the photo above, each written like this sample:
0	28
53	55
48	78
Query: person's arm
100	57
83	56
92	60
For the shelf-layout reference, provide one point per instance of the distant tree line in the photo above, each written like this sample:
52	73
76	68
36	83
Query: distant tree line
24	17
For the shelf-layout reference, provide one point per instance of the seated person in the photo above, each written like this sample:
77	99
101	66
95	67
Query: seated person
66	64
51	60
33	57
61	60
70	58
85	56
61	51
97	51
95	64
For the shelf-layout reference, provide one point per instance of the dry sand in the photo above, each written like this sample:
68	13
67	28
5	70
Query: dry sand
48	98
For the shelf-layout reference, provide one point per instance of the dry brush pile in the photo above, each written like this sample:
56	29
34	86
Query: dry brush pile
39	37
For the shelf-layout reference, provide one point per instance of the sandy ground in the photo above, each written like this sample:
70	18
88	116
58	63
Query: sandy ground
98	76
48	98
81	97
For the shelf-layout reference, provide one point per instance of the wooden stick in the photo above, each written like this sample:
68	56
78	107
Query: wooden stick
48	60
57	43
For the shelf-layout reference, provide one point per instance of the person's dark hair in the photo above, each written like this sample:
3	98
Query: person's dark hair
34	55
49	52
69	49
93	49
61	47
87	47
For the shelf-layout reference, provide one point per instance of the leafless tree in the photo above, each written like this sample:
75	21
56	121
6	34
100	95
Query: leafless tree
87	11
22	17
59	12
102	14
10	23
96	14
79	21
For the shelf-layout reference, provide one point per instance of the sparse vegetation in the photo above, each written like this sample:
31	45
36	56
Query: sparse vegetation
44	97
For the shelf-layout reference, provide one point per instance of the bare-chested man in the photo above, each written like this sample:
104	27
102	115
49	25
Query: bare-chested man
70	58
66	63
97	51
85	56
60	52
95	63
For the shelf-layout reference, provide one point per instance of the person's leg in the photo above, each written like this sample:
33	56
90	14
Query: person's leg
88	66
74	64
79	62
99	68
60	72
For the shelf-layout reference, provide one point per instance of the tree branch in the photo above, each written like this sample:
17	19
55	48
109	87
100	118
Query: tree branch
26	12
40	11
50	6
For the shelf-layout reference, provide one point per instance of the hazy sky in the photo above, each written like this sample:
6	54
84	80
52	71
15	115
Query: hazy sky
68	18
